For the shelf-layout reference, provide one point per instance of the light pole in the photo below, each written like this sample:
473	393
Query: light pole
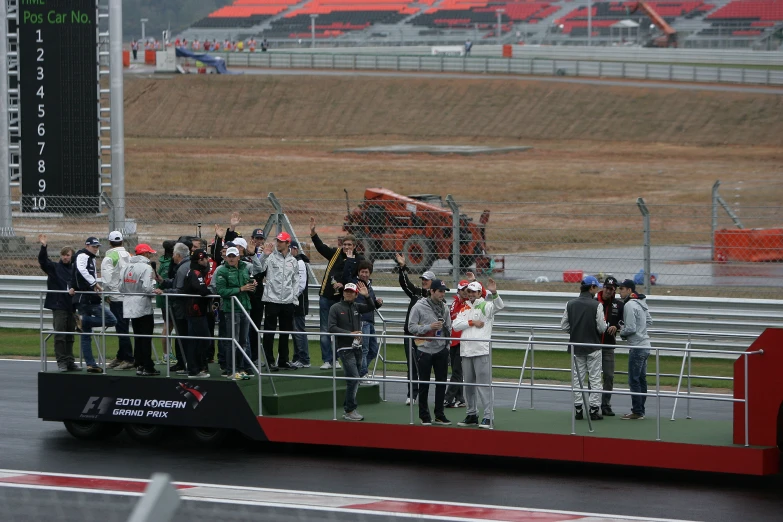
312	29
589	23
143	29
500	19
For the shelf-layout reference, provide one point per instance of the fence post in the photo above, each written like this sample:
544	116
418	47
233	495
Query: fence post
160	501
455	237
646	217
715	197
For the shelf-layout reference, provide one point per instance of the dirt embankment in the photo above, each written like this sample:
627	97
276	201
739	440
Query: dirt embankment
426	109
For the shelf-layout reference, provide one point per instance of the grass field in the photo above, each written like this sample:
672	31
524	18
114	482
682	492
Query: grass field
26	343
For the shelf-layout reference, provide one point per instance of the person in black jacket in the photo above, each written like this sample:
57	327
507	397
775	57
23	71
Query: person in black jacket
414	293
613	314
61	304
197	310
332	284
345	318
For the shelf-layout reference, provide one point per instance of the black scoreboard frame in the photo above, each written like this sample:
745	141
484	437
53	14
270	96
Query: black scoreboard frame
59	101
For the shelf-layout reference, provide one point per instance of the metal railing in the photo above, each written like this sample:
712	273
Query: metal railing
529	343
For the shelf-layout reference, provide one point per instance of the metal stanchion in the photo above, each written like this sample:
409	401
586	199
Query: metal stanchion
411	362
334	376
41	340
682	371
168	335
657	392
532	368
103	332
688	401
491	392
747	426
573	408
522	373
233	340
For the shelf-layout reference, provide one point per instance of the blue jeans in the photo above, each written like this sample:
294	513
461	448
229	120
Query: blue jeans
125	352
240	330
369	347
351	359
324	305
91	317
301	349
637	377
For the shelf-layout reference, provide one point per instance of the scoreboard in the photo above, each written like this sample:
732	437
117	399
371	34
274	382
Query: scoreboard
59	97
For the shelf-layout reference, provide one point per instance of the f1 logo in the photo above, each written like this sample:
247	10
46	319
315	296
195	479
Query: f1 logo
102	407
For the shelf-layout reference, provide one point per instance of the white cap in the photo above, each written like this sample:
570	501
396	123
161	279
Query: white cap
475	286
350	287
115	236
240	242
232	251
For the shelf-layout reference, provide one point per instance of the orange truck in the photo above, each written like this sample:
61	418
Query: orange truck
420	227
669	36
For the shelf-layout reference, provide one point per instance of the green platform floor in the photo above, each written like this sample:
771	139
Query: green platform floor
691	431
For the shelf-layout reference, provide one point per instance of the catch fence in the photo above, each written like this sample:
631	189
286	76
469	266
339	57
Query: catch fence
721	249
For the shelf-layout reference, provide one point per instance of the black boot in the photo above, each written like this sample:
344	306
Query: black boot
578	415
595	414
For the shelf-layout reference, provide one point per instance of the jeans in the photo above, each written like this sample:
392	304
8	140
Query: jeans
607	366
351	359
439	362
241	326
369	347
324	304
64	321
257	315
181	344
93	315
196	351
454	391
301	348
637	377
413	368
282	314
125	351
143	325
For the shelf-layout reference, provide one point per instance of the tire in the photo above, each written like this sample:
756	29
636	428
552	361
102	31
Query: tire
209	437
145	433
92	430
419	253
368	248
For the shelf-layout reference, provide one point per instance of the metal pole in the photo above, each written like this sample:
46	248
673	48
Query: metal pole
168	335
658	392
715	197
40	297
143	28
573	408
455	237
688	402
522	373
532	368
334	378
233	340
411	362
589	23
312	30
647	262
117	113
747	428
682	371
491	391
6	223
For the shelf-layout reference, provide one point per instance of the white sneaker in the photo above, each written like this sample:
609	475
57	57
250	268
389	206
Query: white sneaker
297	364
408	401
326	366
337	365
367	383
353	416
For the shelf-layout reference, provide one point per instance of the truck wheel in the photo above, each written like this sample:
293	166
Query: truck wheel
145	433
418	253
209	437
92	430
368	248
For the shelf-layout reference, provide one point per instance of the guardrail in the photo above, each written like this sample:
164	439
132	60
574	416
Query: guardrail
509	66
711	322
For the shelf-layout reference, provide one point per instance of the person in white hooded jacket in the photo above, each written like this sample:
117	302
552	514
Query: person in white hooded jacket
475	321
137	277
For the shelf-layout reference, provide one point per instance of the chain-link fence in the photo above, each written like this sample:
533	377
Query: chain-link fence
697	249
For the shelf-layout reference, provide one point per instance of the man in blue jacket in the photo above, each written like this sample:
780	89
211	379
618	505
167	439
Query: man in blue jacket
61	305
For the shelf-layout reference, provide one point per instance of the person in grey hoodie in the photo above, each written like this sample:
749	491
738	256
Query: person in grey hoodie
636	319
430	320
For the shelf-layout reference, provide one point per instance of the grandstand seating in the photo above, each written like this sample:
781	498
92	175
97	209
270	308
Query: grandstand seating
746	18
483	13
606	14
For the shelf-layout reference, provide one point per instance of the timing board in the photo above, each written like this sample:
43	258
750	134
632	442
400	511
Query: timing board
59	96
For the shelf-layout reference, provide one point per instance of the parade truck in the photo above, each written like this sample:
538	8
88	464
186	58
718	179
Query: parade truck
420	227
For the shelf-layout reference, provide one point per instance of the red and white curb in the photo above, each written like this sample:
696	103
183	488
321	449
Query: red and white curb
312	501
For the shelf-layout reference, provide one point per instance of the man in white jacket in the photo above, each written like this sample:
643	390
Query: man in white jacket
114	261
475	321
137	277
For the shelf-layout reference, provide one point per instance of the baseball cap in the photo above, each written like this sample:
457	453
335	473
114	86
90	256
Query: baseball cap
463	284
283	236
428	275
92	241
437	284
144	248
259	232
350	287
228	244
232	251
628	283
610	281
238	241
475	286
294	244
592	281
115	236
198	255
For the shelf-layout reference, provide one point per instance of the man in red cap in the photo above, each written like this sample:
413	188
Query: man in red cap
454	395
138	278
281	292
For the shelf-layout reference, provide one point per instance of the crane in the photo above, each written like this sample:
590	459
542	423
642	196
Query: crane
669	37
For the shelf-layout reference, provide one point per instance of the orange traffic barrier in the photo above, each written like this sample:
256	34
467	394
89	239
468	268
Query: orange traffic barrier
126	58
572	276
149	57
507	51
753	245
